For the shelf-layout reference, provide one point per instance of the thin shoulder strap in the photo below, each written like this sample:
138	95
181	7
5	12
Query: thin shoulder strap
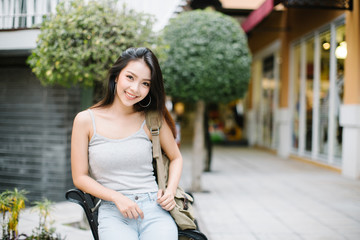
93	120
143	124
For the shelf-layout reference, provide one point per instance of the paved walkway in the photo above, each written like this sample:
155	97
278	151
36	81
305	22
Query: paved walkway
254	195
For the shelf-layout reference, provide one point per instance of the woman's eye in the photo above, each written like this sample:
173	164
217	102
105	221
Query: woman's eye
146	84
130	77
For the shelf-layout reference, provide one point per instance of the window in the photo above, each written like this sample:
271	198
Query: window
317	93
309	94
324	93
340	53
296	100
268	88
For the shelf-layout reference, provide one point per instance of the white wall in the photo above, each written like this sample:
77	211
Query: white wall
18	40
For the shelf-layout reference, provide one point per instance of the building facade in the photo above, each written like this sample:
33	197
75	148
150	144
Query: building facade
35	121
304	96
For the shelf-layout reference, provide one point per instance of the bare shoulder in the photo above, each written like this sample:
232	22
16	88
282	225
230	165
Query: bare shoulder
83	119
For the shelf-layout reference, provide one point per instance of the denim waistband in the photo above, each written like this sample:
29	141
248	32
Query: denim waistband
137	197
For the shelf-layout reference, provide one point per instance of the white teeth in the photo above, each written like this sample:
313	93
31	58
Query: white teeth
130	95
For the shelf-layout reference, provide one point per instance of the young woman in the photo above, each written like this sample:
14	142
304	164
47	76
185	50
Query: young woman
111	152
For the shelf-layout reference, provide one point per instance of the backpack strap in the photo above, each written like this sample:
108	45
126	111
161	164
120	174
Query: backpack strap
154	122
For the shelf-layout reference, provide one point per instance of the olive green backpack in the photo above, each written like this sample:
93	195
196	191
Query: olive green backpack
183	212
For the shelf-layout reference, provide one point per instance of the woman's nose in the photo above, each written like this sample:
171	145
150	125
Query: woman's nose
135	87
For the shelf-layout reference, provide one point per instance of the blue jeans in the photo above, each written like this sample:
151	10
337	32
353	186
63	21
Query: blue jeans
157	223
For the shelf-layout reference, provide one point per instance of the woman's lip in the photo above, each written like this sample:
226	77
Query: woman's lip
130	96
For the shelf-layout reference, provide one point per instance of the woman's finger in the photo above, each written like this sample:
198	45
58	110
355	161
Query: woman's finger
140	212
133	214
160	193
168	206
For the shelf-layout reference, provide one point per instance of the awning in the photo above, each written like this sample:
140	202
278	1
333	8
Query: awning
320	4
258	15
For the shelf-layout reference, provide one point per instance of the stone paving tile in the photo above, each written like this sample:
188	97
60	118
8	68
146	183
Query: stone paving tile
277	236
228	236
351	236
324	236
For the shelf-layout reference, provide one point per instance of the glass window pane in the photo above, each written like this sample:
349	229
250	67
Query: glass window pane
296	102
309	93
268	87
324	92
340	54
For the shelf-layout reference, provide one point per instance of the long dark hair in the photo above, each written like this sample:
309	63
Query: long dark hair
157	92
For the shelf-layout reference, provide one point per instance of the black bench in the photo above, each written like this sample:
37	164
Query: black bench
90	204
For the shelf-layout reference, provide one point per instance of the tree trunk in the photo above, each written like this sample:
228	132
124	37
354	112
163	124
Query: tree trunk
208	143
198	147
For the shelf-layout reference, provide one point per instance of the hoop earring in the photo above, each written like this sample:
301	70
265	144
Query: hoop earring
146	104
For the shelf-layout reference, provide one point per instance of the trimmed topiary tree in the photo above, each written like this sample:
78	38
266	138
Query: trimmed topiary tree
207	61
83	39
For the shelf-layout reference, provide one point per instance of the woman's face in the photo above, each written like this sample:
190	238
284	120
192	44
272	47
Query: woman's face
133	83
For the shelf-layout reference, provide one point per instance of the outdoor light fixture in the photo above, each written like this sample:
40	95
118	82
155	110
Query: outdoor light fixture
326	45
179	108
341	50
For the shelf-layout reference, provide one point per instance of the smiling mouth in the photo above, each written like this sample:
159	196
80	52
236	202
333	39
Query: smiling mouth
130	96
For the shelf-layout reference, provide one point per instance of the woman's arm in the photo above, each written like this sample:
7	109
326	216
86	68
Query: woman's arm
80	169
169	146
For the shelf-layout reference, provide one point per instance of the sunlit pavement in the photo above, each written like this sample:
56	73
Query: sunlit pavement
64	216
251	194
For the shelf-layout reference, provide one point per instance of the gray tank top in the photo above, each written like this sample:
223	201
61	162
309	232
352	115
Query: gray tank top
124	165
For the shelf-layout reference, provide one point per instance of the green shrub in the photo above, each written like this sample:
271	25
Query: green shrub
11	203
79	44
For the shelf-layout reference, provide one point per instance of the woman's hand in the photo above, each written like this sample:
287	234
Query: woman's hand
166	199
127	207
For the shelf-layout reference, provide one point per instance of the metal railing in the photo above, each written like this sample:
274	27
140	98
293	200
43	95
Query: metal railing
22	14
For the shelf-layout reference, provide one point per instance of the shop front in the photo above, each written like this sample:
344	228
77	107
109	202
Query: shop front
304	93
265	90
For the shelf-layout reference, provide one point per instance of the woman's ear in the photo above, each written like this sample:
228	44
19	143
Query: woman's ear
117	78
